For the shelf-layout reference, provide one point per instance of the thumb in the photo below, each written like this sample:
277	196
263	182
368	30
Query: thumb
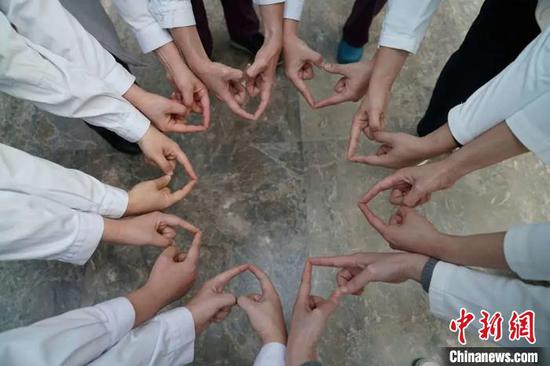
174	107
413	197
223	300
334	68
162	181
315	58
358	282
171	252
233	74
163	164
384	137
332	303
256	68
246	303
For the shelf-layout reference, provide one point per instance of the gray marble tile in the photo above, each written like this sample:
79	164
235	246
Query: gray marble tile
273	193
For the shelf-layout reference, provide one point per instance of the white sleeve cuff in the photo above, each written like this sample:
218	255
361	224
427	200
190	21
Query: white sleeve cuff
438	287
136	125
120	316
530	125
120	79
115	202
271	354
180	333
401	42
458	129
293	9
268	2
90	231
173	14
527	251
152	37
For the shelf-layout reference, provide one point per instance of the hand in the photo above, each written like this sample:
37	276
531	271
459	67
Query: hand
369	118
155	228
171	277
309	318
261	74
413	186
398	150
408	231
352	86
164	152
153	195
357	270
212	303
225	82
167	115
189	90
299	61
264	310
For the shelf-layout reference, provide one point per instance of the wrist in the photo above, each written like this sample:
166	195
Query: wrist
189	42
171	58
112	231
146	304
135	95
438	142
290	28
297	356
279	337
414	265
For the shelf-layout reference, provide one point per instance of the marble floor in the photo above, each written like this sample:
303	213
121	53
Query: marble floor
273	193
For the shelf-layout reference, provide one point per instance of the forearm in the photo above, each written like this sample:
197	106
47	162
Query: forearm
438	142
481	250
189	42
290	28
494	146
146	303
387	65
171	59
272	18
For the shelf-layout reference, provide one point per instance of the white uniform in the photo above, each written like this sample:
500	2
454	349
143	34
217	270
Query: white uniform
50	212
54	63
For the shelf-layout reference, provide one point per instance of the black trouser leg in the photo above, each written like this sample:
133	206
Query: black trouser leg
500	32
356	29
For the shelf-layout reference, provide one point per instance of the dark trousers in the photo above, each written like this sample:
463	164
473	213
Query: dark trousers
356	29
240	18
500	32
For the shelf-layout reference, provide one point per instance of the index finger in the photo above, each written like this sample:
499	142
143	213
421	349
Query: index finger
237	109
305	285
266	96
303	89
223	278
205	105
374	220
335	98
193	253
183	160
174	220
381	186
263	278
337	261
354	137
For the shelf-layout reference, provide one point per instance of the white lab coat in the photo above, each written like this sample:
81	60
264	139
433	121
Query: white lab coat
527	252
54	63
50	212
103	335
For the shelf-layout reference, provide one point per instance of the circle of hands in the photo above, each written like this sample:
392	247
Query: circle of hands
410	185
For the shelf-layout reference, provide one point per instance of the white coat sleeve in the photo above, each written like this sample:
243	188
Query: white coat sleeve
271	354
172	13
531	126
50	25
31	72
73	338
24	173
453	287
33	227
166	340
294	9
149	34
527	251
513	89
406	23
